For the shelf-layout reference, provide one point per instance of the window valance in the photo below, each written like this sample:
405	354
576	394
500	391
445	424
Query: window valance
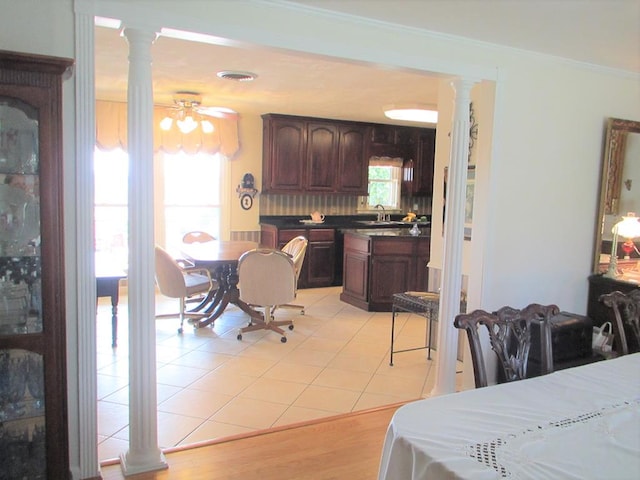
385	162
111	132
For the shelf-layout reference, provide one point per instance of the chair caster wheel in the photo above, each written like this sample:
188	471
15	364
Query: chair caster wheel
302	312
180	331
239	337
291	327
283	339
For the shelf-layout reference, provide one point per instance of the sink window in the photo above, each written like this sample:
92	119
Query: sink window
384	184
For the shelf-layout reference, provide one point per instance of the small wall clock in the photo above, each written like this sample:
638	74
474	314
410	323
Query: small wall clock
246	191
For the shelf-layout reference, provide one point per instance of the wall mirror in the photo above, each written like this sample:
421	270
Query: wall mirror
620	184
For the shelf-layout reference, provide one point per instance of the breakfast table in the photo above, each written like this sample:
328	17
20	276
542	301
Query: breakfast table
578	423
221	259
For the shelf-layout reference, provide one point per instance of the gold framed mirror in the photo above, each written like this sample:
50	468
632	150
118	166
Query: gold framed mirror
619	184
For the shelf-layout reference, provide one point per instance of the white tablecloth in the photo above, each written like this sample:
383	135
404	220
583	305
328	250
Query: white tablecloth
580	423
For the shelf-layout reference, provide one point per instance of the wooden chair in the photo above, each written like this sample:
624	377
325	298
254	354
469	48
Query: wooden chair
197	237
626	324
176	281
267	278
510	338
296	248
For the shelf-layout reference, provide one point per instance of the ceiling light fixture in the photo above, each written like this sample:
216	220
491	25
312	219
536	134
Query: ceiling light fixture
412	113
188	114
237	75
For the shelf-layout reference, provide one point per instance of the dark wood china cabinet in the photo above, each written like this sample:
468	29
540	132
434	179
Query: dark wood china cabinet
33	405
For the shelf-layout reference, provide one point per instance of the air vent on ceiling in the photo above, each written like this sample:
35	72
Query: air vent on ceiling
237	76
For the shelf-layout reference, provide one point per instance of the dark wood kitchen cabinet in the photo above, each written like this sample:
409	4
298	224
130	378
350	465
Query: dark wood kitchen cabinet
320	259
283	151
417	169
318	267
321	157
376	267
391	141
302	154
353	160
33	385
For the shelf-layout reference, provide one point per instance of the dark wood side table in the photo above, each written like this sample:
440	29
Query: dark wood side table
108	285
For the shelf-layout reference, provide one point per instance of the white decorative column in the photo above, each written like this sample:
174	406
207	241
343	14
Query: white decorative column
451	282
83	427
143	454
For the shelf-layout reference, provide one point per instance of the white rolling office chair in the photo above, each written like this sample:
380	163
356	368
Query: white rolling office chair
175	281
267	278
296	248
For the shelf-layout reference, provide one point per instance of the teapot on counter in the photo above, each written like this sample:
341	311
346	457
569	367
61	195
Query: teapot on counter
317	217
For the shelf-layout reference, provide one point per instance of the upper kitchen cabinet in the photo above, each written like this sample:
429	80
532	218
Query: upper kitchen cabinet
283	152
303	154
353	160
317	155
391	141
321	157
417	169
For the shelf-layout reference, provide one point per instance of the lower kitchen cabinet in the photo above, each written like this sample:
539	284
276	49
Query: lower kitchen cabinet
377	266
318	268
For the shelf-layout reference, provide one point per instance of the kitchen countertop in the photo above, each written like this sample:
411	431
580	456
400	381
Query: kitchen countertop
425	231
340	222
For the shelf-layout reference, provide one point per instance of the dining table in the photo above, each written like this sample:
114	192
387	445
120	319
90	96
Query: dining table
220	257
578	423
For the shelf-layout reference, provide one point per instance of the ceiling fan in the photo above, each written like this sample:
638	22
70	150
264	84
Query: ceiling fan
188	112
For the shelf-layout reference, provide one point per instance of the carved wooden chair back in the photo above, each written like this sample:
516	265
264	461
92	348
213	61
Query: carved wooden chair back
626	325
509	332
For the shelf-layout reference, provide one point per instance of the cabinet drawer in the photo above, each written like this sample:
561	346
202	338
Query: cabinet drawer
322	235
285	235
393	247
358	244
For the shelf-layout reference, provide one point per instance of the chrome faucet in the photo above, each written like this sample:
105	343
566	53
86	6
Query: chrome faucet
381	217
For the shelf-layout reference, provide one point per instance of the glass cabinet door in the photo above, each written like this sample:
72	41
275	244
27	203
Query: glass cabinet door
22	402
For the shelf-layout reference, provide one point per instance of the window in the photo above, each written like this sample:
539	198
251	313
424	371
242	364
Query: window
188	198
384	188
111	174
191	196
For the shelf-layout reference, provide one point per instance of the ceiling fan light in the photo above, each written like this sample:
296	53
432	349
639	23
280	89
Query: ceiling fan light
412	114
207	126
165	123
187	125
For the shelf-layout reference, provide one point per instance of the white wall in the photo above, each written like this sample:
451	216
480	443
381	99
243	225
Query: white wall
542	183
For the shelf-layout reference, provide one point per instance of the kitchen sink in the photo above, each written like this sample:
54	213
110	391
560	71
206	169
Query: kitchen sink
380	222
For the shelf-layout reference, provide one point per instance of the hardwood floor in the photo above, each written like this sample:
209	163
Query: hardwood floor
342	447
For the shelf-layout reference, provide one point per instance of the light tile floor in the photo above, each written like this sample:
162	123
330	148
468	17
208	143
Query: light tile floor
211	385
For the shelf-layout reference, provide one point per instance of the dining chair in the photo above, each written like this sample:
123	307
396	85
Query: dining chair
267	278
182	282
296	248
197	236
626	324
509	332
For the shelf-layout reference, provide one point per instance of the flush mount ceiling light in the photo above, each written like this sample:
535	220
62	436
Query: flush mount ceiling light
237	76
412	113
188	114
